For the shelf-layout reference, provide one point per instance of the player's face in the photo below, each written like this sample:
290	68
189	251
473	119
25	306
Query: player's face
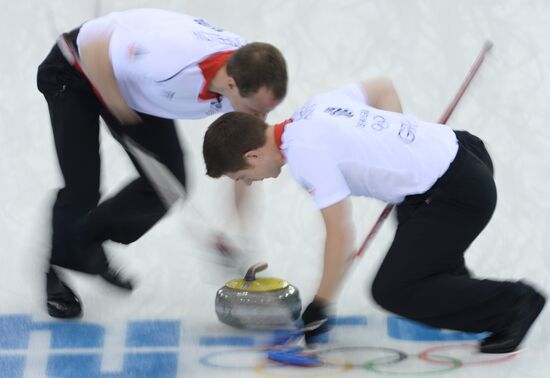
260	168
257	104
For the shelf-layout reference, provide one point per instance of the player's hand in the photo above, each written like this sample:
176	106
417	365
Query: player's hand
230	252
316	313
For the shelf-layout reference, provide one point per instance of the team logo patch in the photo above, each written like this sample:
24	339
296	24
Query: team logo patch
135	52
304	113
215	106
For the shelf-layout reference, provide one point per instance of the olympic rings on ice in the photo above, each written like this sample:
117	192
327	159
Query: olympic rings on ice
254	359
380	360
336	360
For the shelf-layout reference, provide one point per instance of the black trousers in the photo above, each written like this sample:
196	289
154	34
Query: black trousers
78	221
423	276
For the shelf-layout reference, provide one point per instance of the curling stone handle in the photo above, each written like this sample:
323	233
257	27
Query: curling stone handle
251	273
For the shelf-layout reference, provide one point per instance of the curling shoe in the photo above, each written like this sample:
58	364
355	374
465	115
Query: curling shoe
115	278
61	301
527	308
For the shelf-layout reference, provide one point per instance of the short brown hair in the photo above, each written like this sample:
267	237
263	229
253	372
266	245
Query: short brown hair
227	140
258	65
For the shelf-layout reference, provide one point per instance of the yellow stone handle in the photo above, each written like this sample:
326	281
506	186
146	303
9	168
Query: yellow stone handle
251	273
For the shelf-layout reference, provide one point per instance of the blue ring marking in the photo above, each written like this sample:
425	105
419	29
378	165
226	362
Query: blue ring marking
205	360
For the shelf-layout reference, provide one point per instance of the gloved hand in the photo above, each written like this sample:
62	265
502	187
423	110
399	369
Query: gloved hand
316	312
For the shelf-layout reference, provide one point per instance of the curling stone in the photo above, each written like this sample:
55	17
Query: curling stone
258	302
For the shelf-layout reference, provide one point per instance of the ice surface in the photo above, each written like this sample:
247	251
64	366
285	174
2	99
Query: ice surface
167	327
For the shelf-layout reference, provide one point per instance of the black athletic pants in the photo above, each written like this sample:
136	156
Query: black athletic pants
423	276
78	221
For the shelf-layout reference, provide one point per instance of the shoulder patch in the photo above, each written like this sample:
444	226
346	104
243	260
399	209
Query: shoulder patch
135	52
304	112
307	186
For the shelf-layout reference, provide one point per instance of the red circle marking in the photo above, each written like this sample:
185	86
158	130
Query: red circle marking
425	355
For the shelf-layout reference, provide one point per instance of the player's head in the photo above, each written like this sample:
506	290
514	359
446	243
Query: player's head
236	145
260	78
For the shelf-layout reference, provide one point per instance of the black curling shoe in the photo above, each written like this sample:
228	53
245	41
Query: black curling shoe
61	301
116	279
526	311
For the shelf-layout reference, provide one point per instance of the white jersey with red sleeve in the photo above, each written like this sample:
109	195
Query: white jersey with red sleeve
337	146
155	56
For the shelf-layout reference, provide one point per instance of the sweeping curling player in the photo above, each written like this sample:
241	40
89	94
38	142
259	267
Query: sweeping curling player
297	356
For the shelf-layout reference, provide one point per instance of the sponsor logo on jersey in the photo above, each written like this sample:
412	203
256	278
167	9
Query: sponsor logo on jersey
407	132
219	38
336	111
168	94
361	123
206	24
379	123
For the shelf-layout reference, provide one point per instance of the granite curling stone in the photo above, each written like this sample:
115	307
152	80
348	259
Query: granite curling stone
258	303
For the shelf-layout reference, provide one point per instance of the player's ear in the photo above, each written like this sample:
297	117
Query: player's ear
252	155
231	83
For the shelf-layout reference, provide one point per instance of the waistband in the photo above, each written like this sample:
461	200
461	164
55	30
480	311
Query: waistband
448	176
